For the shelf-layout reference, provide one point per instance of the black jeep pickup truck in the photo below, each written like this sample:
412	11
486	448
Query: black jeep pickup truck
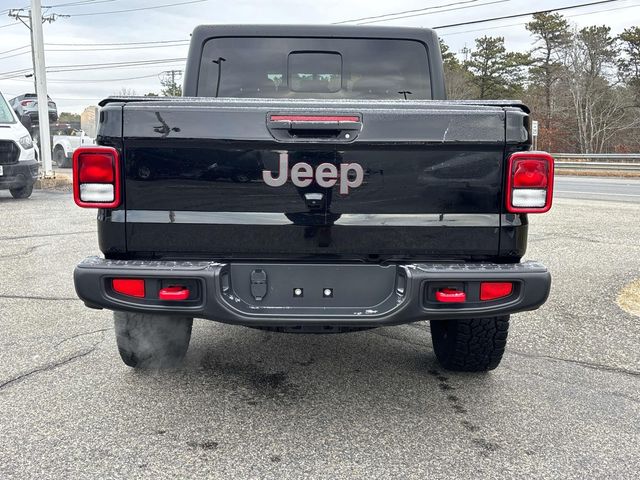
314	179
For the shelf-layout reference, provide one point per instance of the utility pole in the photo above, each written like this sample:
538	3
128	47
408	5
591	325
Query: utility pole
39	70
465	51
168	80
40	77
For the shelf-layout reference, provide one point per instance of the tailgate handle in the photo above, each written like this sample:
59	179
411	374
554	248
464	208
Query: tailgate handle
342	128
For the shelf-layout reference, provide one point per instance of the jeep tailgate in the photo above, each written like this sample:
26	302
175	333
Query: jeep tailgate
431	186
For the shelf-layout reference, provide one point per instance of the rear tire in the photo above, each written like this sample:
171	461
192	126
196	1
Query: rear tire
152	341
22	192
472	345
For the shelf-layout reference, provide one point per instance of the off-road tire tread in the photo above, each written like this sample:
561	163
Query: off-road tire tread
474	345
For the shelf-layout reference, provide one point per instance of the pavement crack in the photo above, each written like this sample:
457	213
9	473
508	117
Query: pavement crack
80	335
49	366
42	235
25	252
582	363
35	297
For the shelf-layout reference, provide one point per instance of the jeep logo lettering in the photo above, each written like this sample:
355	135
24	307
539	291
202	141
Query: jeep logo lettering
326	175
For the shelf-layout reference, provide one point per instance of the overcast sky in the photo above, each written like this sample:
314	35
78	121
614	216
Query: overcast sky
75	35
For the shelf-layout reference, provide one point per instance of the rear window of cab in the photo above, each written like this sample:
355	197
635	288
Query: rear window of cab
342	68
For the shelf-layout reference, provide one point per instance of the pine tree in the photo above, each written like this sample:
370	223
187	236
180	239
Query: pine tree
552	36
458	80
496	72
629	63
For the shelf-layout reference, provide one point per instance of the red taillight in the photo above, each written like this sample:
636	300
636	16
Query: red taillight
27	103
96	177
173	293
494	290
132	287
451	295
529	182
530	173
96	168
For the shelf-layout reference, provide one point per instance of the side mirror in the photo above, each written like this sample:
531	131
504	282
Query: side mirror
26	121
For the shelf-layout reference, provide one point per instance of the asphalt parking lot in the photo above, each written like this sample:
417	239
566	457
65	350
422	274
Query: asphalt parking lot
565	402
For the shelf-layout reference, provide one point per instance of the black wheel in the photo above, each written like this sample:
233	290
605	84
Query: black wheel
152	341
59	157
22	192
473	345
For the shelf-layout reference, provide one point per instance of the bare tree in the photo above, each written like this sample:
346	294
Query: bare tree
125	92
599	106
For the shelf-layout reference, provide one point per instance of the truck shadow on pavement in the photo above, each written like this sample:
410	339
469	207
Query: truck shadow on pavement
391	371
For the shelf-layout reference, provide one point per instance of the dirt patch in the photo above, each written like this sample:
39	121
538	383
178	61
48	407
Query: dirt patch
59	181
629	298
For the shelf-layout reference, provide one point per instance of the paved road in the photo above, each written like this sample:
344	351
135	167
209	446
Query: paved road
598	188
565	402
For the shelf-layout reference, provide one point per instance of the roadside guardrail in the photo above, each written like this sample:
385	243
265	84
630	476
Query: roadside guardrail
612	162
610	166
591	157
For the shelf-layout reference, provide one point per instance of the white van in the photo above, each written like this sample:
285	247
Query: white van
18	165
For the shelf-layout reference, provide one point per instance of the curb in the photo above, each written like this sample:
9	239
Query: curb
58	181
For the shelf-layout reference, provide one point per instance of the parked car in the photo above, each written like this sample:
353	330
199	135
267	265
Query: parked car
27	104
65	141
18	165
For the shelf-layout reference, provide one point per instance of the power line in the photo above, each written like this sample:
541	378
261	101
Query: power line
10	25
117	46
142	47
15	55
100	80
504	17
133	62
73	80
430	13
524	23
136	9
103	64
14	49
121	43
81	3
518	15
433	13
92	66
407	11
